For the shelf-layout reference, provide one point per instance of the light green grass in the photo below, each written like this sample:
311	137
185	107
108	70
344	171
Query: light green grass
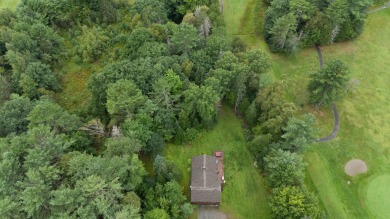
377	196
364	114
244	195
9	4
234	11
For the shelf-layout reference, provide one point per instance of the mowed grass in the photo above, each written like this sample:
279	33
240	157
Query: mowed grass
234	12
9	4
377	194
364	115
244	195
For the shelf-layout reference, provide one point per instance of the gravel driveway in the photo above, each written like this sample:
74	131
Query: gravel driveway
210	212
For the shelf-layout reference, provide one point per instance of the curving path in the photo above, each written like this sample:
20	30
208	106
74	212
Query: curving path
320	56
387	5
336	126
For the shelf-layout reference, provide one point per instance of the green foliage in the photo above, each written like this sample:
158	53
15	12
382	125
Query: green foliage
275	113
119	146
157	213
165	170
13	115
91	44
5	87
54	116
284	168
168	197
128	211
136	40
258	61
328	84
283	34
199	106
290	25
238	45
184	38
27	42
166	91
294	202
299	133
132	199
124	98
91	196
151	11
41	79
128	169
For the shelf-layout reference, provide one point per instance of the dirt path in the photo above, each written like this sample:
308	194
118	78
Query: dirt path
387	5
336	126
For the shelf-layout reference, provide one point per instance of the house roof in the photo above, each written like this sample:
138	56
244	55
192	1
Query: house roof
218	154
205	187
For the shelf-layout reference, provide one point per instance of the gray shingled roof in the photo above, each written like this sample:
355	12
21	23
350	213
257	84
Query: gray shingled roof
205	187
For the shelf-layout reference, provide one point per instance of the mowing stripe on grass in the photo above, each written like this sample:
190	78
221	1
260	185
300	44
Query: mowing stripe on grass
322	179
9	4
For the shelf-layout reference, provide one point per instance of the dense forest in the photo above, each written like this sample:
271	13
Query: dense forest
166	69
293	24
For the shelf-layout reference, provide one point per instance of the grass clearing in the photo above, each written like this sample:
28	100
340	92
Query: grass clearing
11	4
364	114
244	195
74	86
377	195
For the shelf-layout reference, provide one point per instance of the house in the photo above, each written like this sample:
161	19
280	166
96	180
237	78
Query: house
206	180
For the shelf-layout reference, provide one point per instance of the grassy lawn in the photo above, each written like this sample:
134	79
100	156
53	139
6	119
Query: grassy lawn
364	115
244	195
9	4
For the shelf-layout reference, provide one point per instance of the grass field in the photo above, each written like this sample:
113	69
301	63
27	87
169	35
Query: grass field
9	4
364	113
377	194
244	195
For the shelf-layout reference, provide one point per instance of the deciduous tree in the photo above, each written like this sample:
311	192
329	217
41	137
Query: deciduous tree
294	202
284	168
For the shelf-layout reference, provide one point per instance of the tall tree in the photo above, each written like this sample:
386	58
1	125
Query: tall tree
124	98
42	79
283	34
13	115
165	170
294	202
328	84
284	168
184	38
300	132
54	116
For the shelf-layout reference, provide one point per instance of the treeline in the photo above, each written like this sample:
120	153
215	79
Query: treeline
277	141
290	25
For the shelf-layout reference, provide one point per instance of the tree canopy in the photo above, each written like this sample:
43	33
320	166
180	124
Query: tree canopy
294	24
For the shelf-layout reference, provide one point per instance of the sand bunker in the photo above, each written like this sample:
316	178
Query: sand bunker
354	167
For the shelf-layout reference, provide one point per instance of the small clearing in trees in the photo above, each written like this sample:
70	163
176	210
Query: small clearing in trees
354	167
